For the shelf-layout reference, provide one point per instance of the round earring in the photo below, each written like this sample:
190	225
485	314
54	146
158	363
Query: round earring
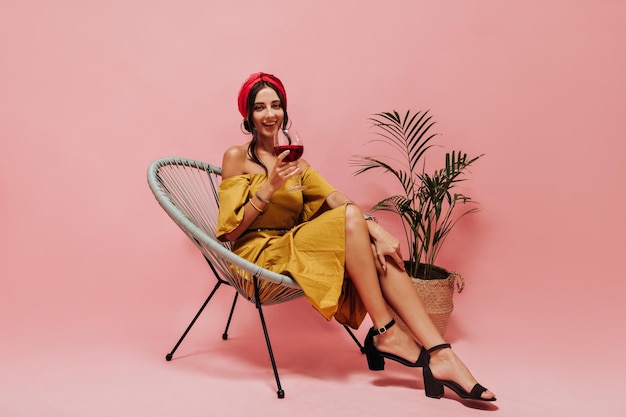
243	126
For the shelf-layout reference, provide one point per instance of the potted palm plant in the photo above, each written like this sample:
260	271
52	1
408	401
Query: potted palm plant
428	206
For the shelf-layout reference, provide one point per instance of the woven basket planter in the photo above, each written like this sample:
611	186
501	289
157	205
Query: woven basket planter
437	295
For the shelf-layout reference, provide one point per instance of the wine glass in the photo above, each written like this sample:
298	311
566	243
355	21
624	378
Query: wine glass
289	139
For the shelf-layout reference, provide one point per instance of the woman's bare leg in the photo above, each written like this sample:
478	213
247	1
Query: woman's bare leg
401	295
361	266
393	286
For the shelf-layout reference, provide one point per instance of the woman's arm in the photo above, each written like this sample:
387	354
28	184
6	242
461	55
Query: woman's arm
233	163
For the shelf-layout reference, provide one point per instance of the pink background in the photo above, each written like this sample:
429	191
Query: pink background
97	282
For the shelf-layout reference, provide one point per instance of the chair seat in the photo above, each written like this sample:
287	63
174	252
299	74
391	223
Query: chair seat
187	190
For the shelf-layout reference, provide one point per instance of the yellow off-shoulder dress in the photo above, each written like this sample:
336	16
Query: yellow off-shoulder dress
299	236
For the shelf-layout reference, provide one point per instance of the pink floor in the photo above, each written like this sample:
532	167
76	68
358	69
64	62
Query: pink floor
97	284
111	362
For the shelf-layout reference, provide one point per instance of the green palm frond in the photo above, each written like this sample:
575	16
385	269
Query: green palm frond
428	206
409	136
366	163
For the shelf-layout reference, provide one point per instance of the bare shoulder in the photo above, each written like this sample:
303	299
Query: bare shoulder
234	160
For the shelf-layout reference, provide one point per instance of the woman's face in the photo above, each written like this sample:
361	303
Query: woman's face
267	113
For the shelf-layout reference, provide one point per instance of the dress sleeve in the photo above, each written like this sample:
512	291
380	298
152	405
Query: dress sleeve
315	194
233	193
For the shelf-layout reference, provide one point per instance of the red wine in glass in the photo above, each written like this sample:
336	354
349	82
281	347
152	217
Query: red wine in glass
289	139
295	151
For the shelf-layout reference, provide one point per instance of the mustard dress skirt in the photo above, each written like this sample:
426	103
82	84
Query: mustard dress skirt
297	235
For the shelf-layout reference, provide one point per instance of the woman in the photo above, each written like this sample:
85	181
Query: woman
345	262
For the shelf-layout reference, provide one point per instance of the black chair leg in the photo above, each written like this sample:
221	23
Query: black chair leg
230	316
280	392
361	348
168	357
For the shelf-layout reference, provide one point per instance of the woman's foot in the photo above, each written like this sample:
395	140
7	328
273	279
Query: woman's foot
392	343
398	343
446	365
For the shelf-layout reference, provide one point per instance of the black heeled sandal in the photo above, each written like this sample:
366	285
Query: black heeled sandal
434	386
376	358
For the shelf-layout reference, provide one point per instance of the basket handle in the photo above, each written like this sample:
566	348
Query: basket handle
457	280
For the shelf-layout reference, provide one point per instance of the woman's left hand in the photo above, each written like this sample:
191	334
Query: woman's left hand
387	245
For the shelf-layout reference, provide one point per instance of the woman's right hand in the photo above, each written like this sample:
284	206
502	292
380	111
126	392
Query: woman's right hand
282	171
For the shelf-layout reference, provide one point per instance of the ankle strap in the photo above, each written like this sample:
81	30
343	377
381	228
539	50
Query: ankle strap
439	347
384	328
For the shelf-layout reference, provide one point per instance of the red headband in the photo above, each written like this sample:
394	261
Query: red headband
252	80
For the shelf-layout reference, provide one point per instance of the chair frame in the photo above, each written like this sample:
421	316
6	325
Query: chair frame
218	254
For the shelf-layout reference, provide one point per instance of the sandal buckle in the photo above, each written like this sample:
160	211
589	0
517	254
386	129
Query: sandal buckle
385	327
